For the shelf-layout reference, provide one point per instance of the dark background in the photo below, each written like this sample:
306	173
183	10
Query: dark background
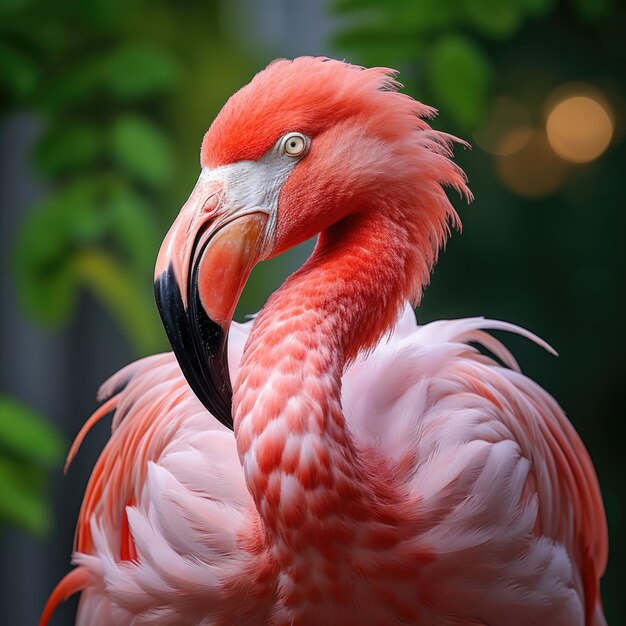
103	105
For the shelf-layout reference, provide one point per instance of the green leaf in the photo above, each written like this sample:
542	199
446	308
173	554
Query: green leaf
66	147
47	242
142	148
132	72
495	18
133	228
426	16
138	70
459	74
27	435
374	45
18	73
78	83
44	281
420	16
125	297
62	245
21	499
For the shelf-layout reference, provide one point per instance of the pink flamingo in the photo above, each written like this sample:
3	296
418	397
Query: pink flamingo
379	472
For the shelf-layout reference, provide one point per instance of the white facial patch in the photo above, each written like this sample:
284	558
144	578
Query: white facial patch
254	186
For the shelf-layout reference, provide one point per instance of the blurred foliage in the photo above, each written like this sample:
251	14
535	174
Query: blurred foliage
125	99
439	44
29	448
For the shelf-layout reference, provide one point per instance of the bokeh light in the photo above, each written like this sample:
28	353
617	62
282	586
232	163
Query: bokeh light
534	170
580	127
507	127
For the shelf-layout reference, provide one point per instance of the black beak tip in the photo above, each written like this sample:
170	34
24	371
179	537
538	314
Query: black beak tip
199	344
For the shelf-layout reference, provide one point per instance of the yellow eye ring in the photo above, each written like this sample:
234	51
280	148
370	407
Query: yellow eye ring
294	144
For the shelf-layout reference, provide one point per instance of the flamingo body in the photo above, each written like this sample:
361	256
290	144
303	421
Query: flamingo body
499	488
379	472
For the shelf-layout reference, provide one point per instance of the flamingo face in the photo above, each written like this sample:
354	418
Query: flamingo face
225	227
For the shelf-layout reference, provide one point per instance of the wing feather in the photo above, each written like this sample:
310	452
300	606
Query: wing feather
166	502
485	447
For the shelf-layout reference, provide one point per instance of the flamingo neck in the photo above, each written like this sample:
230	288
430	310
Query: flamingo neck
307	475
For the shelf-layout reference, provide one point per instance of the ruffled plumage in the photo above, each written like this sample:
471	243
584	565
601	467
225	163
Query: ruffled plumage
510	505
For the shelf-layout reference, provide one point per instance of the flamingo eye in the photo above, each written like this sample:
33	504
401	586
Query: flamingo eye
295	144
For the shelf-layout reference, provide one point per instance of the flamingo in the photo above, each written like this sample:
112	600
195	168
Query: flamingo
361	469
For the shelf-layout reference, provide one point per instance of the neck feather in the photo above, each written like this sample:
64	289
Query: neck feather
300	460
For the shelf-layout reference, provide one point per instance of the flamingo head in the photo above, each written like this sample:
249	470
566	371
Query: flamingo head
304	145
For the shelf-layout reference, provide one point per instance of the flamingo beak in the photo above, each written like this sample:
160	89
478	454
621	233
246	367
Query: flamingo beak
201	270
